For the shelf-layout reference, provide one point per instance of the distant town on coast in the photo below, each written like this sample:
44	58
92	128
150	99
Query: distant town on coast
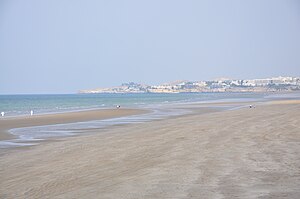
219	85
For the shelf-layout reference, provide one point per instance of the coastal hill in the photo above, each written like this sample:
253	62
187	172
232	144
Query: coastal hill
221	85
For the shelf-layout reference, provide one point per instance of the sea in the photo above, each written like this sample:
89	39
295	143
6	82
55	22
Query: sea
159	105
21	105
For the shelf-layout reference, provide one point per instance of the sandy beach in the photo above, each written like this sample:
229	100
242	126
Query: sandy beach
244	153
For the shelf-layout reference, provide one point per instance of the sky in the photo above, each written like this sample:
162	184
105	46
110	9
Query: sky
62	46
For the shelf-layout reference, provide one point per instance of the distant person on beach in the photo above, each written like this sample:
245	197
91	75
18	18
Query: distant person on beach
2	114
31	112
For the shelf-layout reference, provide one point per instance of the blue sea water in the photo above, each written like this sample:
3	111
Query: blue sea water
14	105
159	105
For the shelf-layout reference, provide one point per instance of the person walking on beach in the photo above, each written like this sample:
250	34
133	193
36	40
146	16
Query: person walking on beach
2	114
31	112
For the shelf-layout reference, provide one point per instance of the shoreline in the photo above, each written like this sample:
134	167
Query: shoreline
61	118
12	122
40	120
21	121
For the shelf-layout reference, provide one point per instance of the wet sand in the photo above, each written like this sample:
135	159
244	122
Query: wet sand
7	123
244	153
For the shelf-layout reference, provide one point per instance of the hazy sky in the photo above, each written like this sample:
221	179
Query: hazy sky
61	46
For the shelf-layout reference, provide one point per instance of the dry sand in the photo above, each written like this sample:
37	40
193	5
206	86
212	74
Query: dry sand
7	123
245	153
285	102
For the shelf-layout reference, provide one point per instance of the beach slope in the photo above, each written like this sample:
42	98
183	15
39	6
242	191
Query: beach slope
245	153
